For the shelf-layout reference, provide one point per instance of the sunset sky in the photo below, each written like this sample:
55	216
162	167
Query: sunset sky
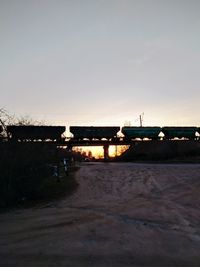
101	62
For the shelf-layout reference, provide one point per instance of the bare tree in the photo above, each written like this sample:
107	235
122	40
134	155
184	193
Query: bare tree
127	123
89	154
5	119
27	120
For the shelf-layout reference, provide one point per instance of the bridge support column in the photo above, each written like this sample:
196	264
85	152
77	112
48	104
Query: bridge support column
106	152
69	148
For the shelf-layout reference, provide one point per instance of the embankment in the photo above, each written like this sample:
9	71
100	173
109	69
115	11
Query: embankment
172	150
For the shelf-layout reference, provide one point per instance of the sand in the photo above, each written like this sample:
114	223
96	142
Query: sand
122	214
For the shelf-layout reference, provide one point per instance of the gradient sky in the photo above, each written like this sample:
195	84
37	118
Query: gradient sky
96	62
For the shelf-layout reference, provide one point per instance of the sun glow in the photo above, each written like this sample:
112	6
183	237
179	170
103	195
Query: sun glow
98	153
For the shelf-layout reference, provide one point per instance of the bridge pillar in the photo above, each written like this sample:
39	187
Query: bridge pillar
106	152
69	148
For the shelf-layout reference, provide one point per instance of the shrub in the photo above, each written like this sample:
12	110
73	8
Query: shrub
23	169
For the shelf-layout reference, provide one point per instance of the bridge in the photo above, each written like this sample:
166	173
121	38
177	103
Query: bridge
158	147
103	143
103	136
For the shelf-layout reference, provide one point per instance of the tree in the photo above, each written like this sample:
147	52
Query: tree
89	154
127	123
27	120
5	119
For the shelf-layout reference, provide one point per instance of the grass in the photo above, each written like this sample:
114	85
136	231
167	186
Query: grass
26	174
52	188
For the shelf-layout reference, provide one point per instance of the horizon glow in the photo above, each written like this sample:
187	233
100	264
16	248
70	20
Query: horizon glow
101	62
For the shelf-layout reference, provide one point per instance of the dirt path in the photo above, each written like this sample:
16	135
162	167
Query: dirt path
122	214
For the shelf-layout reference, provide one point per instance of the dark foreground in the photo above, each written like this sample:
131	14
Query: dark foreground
122	214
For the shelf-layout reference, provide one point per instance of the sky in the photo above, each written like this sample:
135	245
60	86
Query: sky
101	62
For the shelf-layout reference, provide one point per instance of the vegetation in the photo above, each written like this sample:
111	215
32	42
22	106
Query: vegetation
27	174
27	170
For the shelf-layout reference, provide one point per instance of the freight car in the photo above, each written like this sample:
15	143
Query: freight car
94	132
179	132
130	132
35	133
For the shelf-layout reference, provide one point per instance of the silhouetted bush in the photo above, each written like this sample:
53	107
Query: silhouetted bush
24	170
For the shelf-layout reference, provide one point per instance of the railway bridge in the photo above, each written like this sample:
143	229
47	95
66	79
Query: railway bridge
103	136
103	143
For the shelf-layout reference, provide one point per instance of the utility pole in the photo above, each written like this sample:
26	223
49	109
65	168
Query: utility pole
141	119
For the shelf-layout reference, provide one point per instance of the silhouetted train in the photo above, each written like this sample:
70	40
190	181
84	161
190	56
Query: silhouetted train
153	133
141	132
35	133
55	133
132	133
94	132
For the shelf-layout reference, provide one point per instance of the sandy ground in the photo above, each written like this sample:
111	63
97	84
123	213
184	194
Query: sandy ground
122	214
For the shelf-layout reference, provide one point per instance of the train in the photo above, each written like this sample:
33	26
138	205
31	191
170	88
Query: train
94	132
153	133
141	132
179	132
110	133
134	132
35	133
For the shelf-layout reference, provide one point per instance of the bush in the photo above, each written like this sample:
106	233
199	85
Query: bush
24	168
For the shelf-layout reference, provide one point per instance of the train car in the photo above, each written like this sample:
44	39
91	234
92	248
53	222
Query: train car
94	132
35	133
150	132
171	132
